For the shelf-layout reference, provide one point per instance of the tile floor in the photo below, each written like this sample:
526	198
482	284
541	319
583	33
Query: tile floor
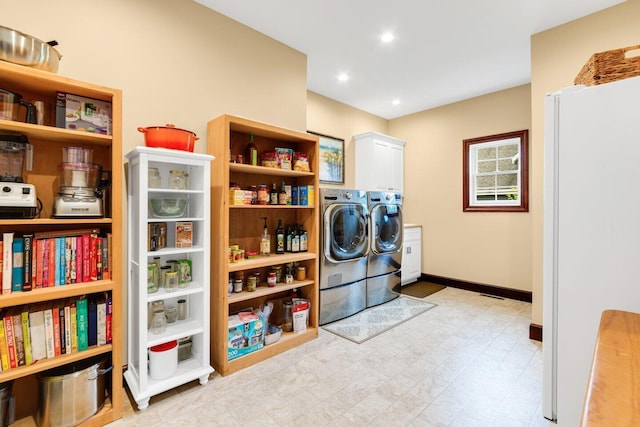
467	362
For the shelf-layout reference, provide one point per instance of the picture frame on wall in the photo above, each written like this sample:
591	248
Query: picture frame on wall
331	162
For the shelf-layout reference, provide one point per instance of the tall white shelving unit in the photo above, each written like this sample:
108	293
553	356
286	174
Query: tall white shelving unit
197	293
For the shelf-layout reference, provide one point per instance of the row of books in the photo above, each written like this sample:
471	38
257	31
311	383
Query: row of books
46	330
55	258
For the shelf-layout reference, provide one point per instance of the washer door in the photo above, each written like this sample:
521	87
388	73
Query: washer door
386	229
345	232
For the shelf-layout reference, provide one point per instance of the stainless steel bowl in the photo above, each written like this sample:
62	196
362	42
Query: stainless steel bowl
24	49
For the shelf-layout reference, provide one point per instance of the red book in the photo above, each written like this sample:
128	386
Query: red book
78	259
56	330
99	250
93	257
39	262
45	263
108	319
11	341
86	256
34	262
51	266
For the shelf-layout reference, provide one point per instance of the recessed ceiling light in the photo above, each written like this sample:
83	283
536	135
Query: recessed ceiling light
387	37
396	102
343	77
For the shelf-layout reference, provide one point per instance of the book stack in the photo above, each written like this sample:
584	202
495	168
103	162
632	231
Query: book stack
46	330
55	258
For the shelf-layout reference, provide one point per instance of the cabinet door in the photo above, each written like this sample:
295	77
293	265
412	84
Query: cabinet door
395	157
381	168
412	255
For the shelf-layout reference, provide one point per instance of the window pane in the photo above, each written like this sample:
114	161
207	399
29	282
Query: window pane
508	150
508	179
507	165
487	153
487	166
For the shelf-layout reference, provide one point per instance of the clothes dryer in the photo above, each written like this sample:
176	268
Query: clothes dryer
385	254
345	245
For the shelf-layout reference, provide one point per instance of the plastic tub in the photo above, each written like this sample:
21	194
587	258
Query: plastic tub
163	360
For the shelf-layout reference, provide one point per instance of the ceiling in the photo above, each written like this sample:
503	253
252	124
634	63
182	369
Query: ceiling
444	50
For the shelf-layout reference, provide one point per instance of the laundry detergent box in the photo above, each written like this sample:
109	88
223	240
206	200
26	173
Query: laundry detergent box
83	114
246	334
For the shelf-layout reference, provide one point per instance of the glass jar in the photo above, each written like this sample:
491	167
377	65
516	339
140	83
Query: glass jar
251	283
177	180
158	322
301	273
152	286
263	194
171	281
271	279
154	178
287	317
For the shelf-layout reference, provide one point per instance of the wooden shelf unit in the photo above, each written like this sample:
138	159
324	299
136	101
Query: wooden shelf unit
48	142
243	225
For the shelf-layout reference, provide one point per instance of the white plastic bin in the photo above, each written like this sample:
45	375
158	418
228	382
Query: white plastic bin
163	360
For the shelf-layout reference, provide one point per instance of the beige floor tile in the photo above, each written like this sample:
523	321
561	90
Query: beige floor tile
467	362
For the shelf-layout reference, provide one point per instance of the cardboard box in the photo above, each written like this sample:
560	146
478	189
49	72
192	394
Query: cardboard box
246	334
184	234
83	114
295	198
306	196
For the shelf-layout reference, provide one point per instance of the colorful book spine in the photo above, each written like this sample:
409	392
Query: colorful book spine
40	263
7	262
38	335
93	257
92	322
67	260
19	339
4	348
11	342
109	334
45	263
99	258
79	265
74	328
67	328
51	280
105	258
74	261
48	333
27	260
82	311
26	335
63	332
86	257
55	313
17	274
102	321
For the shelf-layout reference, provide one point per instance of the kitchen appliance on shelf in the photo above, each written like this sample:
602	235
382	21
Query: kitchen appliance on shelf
385	252
81	185
345	245
17	199
591	229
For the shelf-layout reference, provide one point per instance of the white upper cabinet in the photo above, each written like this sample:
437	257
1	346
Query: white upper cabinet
379	162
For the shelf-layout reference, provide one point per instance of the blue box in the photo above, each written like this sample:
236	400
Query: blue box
306	195
246	334
294	195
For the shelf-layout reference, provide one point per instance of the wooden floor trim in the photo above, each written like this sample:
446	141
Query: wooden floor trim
482	288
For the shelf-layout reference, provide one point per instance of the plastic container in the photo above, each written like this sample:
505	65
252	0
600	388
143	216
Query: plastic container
163	360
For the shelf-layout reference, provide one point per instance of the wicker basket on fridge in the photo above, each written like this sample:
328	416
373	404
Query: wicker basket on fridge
609	66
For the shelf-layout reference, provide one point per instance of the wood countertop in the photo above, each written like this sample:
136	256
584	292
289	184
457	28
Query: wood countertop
613	391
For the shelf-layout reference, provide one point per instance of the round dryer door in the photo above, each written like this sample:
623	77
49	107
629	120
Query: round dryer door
386	229
345	232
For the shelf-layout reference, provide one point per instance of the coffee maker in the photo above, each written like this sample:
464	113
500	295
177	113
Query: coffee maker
81	185
17	199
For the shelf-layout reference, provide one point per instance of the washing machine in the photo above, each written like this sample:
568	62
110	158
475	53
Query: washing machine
384	261
345	245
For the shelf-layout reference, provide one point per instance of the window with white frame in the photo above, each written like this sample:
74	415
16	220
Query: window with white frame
496	173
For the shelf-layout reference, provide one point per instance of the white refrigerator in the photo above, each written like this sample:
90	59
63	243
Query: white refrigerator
591	246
